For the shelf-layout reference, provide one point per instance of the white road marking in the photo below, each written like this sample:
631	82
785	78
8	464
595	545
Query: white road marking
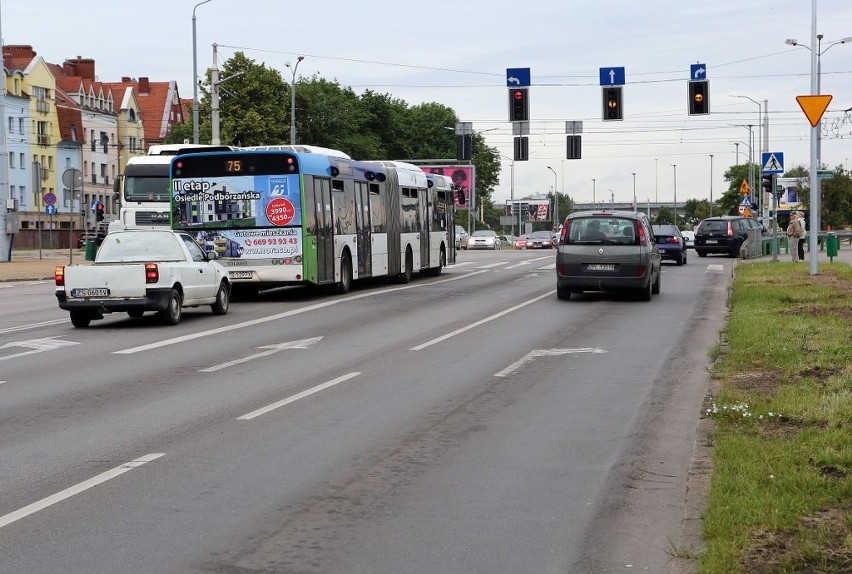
33	325
536	353
480	322
546	267
268	318
490	265
271	350
521	264
35	346
715	267
296	397
76	489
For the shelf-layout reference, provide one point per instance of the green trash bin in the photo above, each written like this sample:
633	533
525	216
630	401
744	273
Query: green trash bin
832	244
91	249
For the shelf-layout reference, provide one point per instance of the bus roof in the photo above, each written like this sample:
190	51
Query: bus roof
184	148
300	149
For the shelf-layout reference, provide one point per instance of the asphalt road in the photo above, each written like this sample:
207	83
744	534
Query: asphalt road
466	423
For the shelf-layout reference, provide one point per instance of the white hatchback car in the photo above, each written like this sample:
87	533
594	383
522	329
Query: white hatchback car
689	237
483	239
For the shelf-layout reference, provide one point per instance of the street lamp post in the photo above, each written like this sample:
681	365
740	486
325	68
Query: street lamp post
674	165
634	190
555	198
593	193
293	100
512	197
195	77
760	146
816	134
711	185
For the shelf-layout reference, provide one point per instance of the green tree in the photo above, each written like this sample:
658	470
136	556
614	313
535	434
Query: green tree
665	216
694	210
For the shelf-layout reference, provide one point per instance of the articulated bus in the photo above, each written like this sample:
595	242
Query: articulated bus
278	217
142	191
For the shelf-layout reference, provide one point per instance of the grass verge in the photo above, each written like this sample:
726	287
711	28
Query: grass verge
781	490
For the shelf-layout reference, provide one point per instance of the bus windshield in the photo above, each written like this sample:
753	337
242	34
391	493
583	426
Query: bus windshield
146	187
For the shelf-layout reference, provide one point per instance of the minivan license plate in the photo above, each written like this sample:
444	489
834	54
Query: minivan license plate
600	267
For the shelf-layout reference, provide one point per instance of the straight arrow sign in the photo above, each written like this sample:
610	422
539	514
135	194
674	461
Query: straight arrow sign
270	350
536	353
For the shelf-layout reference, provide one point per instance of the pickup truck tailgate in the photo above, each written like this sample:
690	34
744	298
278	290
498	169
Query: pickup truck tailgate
120	281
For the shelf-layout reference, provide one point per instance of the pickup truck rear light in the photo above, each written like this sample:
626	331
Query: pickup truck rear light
59	275
152	273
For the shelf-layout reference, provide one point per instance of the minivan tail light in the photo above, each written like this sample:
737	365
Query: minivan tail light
564	235
643	239
59	275
152	273
730	230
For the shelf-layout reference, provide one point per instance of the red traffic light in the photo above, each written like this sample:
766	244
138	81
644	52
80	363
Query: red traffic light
518	94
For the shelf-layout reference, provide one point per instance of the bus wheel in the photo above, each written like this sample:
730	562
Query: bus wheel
345	275
442	262
405	276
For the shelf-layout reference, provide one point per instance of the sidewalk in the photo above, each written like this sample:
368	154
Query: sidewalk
30	265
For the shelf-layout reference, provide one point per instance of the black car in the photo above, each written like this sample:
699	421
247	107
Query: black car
724	234
670	242
87	236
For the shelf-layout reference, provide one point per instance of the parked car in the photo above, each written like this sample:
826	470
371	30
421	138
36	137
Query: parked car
689	237
520	242
139	270
724	234
86	236
670	242
540	240
461	237
483	239
507	240
607	251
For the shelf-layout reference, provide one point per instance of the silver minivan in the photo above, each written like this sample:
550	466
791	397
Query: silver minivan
607	251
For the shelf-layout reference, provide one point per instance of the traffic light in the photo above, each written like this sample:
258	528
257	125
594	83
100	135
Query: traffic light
519	105
464	145
573	148
612	103
522	148
699	97
768	183
99	212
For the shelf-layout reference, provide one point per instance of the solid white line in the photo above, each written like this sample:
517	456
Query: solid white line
268	318
480	322
76	489
296	397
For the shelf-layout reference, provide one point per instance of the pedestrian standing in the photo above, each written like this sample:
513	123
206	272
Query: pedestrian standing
794	232
800	216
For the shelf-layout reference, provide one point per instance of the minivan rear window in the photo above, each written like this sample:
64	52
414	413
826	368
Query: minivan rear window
602	230
711	225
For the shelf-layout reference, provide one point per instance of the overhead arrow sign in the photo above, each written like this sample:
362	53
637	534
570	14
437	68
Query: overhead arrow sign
270	350
697	71
614	76
536	353
814	107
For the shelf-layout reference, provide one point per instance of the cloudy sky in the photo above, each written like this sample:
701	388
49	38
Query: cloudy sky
457	53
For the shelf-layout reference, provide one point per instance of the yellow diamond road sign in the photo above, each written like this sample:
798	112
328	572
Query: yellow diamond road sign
745	188
814	107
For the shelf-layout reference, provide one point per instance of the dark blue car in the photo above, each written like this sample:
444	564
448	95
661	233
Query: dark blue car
670	242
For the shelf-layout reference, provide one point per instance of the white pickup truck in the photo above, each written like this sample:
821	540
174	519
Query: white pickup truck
139	270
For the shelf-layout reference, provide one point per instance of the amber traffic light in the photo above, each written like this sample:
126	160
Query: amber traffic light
612	108
699	97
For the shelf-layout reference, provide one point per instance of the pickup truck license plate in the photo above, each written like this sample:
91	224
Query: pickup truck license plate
90	292
239	274
600	267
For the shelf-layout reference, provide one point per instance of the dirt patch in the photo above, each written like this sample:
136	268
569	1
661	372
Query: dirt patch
817	546
764	382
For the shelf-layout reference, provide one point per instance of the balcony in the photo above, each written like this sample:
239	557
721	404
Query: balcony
43	139
42	106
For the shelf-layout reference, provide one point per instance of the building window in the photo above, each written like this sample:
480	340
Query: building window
11	161
11	125
21	125
23	159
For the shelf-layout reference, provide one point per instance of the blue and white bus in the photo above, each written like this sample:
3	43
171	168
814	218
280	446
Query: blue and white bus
280	217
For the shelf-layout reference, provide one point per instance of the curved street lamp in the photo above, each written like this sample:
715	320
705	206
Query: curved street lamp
293	100
195	77
555	198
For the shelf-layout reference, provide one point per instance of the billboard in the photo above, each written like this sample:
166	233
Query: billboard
529	209
792	190
463	177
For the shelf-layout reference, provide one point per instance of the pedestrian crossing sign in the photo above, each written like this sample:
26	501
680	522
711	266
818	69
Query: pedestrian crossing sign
773	162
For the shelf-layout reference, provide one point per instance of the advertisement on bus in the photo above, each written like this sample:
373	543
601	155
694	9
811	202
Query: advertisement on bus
247	217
